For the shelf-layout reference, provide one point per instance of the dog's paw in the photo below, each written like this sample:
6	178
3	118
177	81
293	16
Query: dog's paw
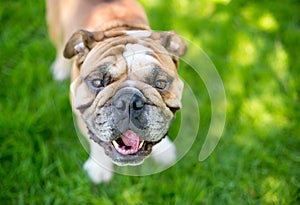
164	152
61	68
96	172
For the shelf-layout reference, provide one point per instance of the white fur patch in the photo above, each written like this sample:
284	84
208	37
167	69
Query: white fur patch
138	34
79	47
99	166
72	86
131	83
164	152
136	55
61	68
174	46
96	172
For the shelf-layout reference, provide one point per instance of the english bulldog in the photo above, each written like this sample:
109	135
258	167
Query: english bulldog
124	89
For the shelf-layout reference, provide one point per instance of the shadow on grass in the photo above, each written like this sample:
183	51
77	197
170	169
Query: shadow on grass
254	46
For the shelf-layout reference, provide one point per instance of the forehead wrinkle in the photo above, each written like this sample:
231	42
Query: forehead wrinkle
98	53
106	46
97	57
161	54
137	56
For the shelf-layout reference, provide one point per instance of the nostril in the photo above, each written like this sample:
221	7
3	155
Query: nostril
137	104
121	105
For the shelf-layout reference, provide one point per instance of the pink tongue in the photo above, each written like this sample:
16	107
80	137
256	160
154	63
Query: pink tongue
130	138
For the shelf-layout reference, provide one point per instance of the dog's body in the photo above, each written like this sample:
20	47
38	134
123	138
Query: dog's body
125	88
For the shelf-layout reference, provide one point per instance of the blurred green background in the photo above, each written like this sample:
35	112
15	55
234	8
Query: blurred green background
255	45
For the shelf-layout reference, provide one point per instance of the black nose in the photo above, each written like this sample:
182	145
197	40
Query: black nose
137	103
129	109
129	102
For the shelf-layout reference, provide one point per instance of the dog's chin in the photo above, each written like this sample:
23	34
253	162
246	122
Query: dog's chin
123	155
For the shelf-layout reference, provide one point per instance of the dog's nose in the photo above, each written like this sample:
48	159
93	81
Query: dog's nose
129	105
128	101
137	103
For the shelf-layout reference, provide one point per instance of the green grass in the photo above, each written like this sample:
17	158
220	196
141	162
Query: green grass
255	47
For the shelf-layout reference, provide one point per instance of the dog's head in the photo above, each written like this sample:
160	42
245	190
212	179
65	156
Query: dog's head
127	89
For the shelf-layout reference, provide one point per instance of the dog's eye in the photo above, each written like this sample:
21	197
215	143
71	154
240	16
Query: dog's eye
161	84
97	83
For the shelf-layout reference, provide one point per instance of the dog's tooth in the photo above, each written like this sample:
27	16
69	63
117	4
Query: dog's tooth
120	150
141	144
116	145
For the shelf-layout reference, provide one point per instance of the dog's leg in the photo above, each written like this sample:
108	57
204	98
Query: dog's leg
61	67
99	166
164	152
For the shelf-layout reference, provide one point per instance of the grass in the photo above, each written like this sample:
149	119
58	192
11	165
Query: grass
255	47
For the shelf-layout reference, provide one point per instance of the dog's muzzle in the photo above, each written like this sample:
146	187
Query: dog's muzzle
129	120
129	105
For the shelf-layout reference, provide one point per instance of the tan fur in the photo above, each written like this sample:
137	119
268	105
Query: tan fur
96	32
64	17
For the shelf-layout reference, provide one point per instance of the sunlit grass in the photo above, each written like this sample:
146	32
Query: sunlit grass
245	52
255	48
267	22
279	61
274	188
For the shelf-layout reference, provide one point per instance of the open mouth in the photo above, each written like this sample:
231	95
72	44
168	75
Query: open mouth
128	143
127	149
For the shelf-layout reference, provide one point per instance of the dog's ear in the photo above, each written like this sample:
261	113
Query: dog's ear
172	42
81	42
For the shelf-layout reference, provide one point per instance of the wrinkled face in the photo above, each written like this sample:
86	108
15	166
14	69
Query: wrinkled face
127	93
